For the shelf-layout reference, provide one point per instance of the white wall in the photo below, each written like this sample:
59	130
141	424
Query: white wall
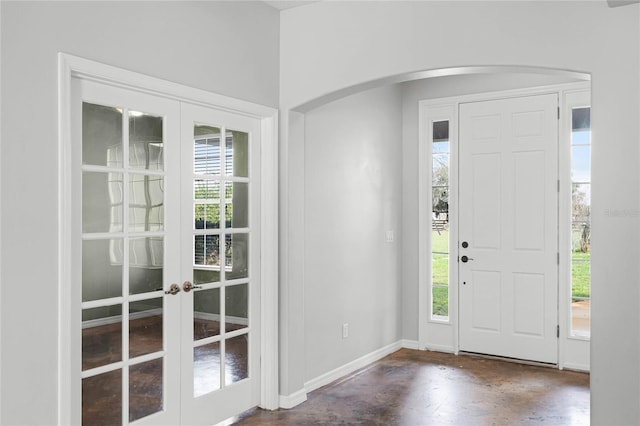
353	194
227	48
328	46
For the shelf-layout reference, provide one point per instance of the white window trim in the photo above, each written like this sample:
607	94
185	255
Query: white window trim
443	335
69	67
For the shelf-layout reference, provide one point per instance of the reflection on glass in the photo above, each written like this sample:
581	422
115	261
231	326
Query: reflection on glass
236	256
206	369
237	154
205	276
145	389
145	141
206	313
236	361
101	336
145	327
206	190
581	163
206	250
236	307
146	198
101	135
145	264
206	148
101	269
102	199
102	399
207	216
237	205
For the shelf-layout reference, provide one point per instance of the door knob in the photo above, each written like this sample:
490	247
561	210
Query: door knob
173	289
465	259
187	286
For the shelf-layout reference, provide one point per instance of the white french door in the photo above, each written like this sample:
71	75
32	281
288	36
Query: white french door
166	259
508	227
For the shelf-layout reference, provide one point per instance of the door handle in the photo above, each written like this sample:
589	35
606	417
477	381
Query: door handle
465	259
173	289
187	286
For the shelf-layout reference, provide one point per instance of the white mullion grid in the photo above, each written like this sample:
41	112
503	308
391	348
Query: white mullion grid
102	369
222	248
146	358
223	334
125	268
102	302
107	169
207	341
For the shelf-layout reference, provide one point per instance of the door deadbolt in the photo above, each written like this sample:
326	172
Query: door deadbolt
465	244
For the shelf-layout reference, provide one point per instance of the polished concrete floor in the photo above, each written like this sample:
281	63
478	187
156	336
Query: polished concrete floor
415	388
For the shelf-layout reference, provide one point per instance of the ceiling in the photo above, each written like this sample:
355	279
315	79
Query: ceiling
288	4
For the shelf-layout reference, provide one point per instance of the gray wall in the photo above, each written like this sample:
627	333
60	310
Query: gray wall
353	188
330	46
223	47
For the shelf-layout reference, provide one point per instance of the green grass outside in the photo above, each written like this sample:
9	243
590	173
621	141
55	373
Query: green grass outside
580	273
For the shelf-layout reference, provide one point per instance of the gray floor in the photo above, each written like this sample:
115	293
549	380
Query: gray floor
429	388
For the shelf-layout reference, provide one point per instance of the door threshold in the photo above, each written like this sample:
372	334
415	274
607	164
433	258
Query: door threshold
508	359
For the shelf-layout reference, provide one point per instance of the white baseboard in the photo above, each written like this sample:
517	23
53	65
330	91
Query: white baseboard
296	398
576	367
441	348
410	344
349	368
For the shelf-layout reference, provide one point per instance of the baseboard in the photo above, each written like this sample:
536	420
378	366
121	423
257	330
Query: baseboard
410	344
440	348
349	368
216	317
576	367
118	318
296	398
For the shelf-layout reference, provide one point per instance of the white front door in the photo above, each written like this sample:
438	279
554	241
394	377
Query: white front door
508	228
167	261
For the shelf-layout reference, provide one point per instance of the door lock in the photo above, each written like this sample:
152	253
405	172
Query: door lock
187	286
173	289
465	259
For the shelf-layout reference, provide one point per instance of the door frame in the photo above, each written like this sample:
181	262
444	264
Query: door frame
70	67
443	335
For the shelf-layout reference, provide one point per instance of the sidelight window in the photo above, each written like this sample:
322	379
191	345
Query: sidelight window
440	188
580	222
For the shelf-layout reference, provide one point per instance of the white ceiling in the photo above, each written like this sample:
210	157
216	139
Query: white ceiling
288	4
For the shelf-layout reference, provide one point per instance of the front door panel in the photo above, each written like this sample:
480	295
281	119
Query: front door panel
509	217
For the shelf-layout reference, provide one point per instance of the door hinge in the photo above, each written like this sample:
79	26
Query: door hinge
558	331
558	258
558	185
558	113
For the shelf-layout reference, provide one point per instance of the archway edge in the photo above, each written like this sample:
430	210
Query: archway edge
439	72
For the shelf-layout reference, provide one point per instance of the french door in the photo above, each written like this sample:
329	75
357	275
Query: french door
166	263
508	227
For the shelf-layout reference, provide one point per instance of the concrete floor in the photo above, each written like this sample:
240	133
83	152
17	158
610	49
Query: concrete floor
414	388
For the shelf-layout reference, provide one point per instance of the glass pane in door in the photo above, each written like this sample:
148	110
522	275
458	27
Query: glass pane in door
102	399
123	265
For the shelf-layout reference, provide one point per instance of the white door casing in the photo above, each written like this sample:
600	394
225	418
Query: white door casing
263	392
508	216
